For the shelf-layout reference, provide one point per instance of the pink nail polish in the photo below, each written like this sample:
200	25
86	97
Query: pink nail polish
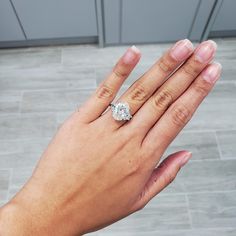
205	51
181	50
130	54
212	73
186	159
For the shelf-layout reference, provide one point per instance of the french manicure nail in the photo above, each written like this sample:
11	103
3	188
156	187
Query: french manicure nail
181	50
205	51
135	49
212	72
130	54
186	159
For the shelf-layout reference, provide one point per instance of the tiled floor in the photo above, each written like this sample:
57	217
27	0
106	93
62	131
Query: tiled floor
39	87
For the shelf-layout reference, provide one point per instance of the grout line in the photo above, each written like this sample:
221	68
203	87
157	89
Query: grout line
9	184
228	158
218	146
189	213
21	101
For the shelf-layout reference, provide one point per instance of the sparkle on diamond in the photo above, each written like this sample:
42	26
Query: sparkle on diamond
120	111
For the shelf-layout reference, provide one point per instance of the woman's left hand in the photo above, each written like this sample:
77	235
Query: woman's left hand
98	170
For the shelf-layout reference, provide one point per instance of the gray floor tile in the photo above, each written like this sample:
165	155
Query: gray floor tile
10	95
222	93
28	58
20	154
227	142
19	160
202	145
88	55
194	232
53	101
9	107
4	183
25	126
49	78
209	176
205	176
229	70
163	212
22	146
214	116
10	100
213	209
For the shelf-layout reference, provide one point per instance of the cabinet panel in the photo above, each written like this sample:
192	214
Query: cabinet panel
201	19
226	17
157	20
112	21
57	18
9	27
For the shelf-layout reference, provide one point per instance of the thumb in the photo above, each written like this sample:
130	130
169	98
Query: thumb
162	176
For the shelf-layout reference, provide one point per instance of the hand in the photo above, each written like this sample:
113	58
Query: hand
98	170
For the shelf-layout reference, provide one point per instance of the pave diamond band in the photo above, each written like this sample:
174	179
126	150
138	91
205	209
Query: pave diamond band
121	111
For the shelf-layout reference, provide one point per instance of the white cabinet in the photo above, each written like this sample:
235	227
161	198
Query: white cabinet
10	29
42	19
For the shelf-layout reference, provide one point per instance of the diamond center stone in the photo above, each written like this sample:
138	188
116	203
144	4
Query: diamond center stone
121	111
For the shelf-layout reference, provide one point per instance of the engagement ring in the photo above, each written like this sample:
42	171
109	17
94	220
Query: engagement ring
121	111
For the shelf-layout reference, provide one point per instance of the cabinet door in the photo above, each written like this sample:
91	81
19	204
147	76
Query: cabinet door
43	19
9	27
157	20
225	21
150	21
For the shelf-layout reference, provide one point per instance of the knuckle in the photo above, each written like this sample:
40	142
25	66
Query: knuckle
162	100
120	72
191	69
165	65
202	87
138	93
134	166
104	92
141	207
180	115
169	177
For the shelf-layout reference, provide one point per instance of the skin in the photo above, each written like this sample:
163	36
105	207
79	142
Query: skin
97	170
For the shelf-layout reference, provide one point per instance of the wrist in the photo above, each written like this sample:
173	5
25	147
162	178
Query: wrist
26	218
14	221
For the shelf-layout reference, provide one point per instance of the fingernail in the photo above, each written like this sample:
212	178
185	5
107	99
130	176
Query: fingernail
181	50
186	158
135	49
130	54
212	72
205	51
